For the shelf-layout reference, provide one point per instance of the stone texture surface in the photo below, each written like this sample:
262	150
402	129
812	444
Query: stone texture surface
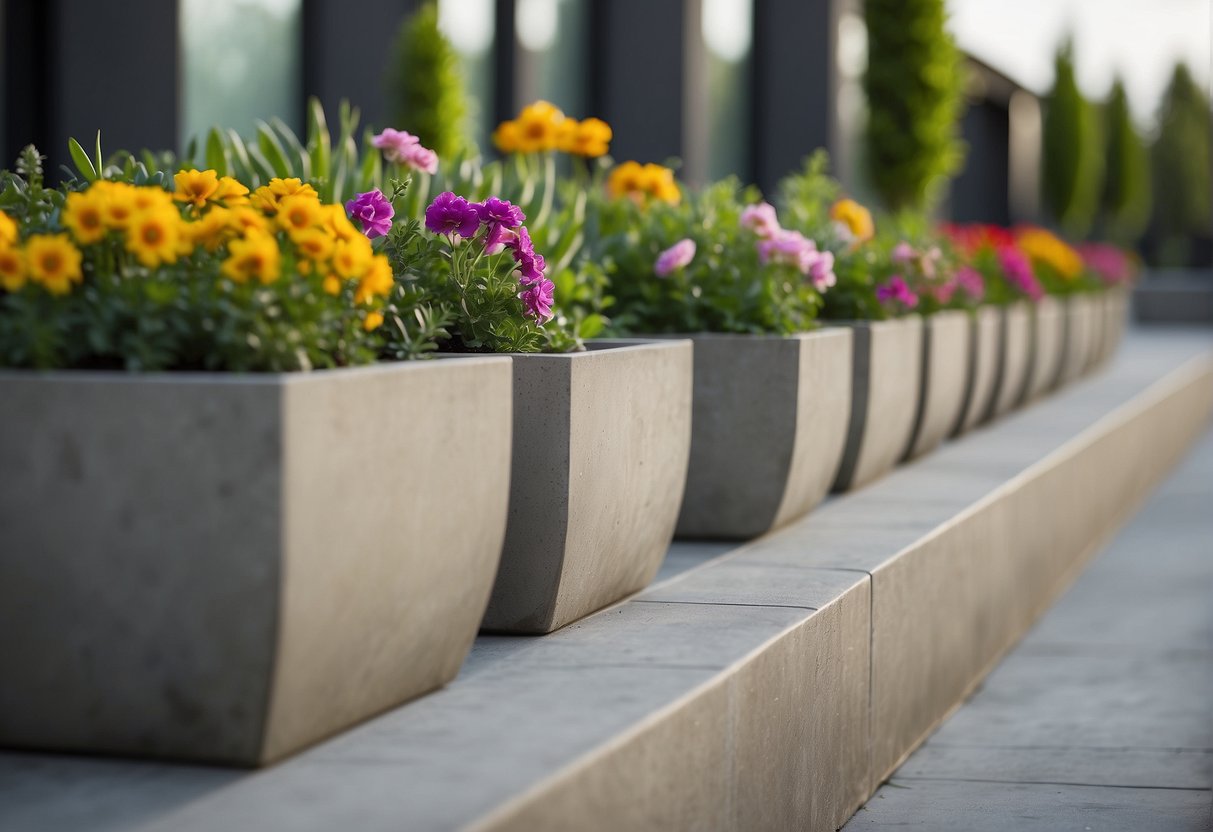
1048	339
986	348
601	440
1103	708
770	420
168	550
886	385
946	375
1017	357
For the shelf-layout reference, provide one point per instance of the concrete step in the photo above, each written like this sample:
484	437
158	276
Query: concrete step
772	685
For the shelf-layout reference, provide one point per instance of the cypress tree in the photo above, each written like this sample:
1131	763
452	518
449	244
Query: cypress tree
1181	167
1072	167
1126	189
427	85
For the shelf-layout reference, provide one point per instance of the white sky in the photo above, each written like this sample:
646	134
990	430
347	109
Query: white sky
1140	39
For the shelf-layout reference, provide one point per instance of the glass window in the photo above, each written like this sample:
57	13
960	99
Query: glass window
555	33
728	32
241	61
471	25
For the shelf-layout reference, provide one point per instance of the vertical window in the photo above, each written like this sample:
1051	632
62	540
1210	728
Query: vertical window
241	61
470	25
728	32
554	34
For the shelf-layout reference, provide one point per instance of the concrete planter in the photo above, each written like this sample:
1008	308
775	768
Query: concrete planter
228	568
770	422
601	440
1099	329
986	347
1017	357
946	375
1048	341
886	384
1117	311
1079	326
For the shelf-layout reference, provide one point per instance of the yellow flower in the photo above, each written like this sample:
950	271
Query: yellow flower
658	182
195	186
150	198
332	284
84	216
253	257
154	236
626	179
589	138
299	212
12	268
538	127
231	193
209	231
119	202
855	218
337	222
244	219
373	321
505	137
8	230
314	244
54	262
377	282
351	258
268	196
1044	247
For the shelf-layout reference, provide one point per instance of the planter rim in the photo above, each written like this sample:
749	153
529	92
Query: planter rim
606	345
829	329
884	323
189	377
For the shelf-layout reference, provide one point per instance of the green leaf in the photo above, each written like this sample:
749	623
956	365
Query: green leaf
240	158
296	147
591	326
371	174
272	150
319	142
217	156
260	164
83	163
100	161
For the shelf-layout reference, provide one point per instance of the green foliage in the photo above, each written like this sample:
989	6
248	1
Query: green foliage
1126	187
427	85
914	85
1072	168
1181	167
725	288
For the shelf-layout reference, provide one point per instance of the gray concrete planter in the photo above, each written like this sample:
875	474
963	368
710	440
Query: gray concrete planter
1099	329
1079	326
986	348
770	422
1048	341
886	384
946	375
601	440
1117	311
228	568
1017	357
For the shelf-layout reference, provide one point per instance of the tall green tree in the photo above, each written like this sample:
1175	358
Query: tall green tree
915	90
1072	167
1182	181
1126	188
427	85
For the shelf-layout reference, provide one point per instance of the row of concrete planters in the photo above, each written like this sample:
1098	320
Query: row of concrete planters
228	568
1081	321
601	440
946	375
1016	360
886	386
1048	342
770	422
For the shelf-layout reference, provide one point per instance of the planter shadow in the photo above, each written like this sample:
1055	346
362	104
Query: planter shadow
985	341
1017	358
1048	338
227	568
946	375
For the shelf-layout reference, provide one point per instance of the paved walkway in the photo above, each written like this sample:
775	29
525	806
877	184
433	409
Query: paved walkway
1102	718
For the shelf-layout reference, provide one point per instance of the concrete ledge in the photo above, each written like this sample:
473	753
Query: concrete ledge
771	687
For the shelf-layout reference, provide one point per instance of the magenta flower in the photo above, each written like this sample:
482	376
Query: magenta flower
449	214
943	293
896	290
1018	271
903	253
1107	261
760	219
373	211
970	281
788	247
396	144
537	299
821	271
530	264
677	256
501	217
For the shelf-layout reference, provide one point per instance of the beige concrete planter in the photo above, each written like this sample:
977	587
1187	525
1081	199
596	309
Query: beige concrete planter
986	348
1117	310
886	384
1048	340
770	422
601	440
1078	338
228	568
946	375
1017	357
1099	329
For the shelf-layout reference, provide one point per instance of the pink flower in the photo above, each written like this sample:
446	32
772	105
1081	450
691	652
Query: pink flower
896	290
677	256
373	212
422	159
970	281
450	214
760	219
1018	271
537	299
821	271
903	252
1109	262
395	144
